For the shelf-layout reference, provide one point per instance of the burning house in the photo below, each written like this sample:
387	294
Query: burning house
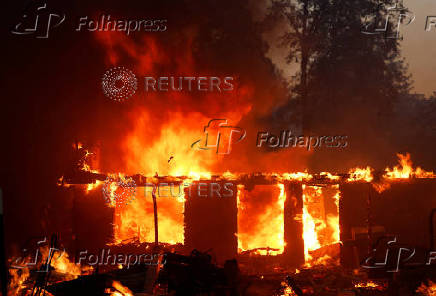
243	148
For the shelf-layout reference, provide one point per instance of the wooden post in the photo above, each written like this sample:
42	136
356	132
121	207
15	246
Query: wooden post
156	227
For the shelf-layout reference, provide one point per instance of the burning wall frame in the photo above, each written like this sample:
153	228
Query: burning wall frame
353	213
199	227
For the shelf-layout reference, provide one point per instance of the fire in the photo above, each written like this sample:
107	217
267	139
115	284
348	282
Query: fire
402	171
319	227
428	289
136	220
287	290
261	219
17	279
93	186
60	262
405	170
371	285
299	176
118	289
360	174
163	127
367	284
310	234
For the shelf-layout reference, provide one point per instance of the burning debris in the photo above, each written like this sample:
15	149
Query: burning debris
269	210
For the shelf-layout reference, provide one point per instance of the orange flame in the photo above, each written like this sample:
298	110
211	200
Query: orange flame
118	289
405	170
261	223
319	229
360	174
428	289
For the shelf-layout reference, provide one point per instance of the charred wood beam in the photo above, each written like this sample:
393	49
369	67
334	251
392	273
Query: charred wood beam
80	177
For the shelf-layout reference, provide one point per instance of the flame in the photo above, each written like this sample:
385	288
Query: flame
368	284
93	186
428	289
299	176
17	279
405	170
287	290
359	174
66	269
261	219
136	220
319	229
118	289
329	176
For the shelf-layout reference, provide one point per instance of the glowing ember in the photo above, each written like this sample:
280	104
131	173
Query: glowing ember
17	279
428	289
368	284
287	291
359	174
118	289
